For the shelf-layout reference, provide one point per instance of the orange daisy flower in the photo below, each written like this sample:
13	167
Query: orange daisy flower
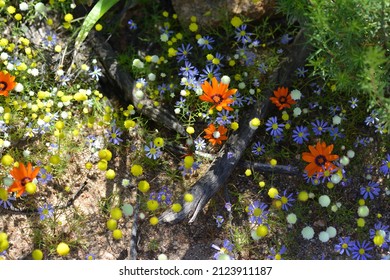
6	83
216	136
218	94
22	176
282	98
320	158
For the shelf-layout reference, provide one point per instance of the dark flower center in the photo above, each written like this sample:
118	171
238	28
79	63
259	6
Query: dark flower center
3	85
282	99
320	160
217	98
25	181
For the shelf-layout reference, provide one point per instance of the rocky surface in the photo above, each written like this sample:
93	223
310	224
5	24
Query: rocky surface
211	13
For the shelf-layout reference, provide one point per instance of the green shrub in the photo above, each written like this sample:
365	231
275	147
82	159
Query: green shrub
350	46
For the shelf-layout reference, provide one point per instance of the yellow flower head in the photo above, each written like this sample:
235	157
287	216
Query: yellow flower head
152	205
272	192
68	17
11	10
193	27
159	142
136	170
98	27
153	221
236	21
176	207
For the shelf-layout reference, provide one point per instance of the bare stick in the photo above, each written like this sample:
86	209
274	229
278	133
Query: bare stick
123	80
268	168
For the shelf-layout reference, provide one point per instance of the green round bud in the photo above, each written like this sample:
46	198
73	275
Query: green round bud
223	257
307	232
254	235
363	211
7	181
127	209
162	257
324	200
291	218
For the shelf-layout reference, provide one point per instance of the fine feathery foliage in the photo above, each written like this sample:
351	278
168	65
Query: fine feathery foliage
350	44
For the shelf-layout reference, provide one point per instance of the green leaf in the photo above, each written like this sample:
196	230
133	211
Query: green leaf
92	18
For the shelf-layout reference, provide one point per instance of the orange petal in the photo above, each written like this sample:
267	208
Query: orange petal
16	187
29	169
222	89
35	172
331	157
311	169
278	92
214	83
290	100
210	129
23	170
230	92
308	157
206	98
213	141
206	87
222	130
328	150
314	151
285	105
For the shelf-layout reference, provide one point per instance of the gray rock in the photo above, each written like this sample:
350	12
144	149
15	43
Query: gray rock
211	13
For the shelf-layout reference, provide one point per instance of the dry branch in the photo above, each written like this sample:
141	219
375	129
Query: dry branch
119	77
256	166
268	168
